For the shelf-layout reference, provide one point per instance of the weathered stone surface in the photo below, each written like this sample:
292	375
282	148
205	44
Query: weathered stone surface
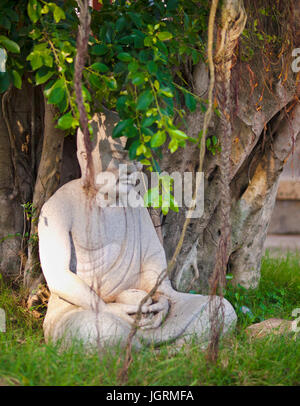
270	326
99	262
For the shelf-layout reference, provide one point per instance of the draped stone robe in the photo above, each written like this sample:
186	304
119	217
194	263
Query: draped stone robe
111	250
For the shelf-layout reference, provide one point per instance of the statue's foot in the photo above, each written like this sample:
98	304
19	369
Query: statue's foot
93	330
190	318
217	314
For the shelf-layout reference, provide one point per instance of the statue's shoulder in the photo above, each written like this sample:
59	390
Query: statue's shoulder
62	201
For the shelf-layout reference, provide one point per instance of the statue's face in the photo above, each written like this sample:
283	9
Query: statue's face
112	166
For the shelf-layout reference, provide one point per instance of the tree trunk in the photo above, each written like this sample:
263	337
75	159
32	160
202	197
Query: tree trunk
18	150
47	182
31	151
261	142
11	213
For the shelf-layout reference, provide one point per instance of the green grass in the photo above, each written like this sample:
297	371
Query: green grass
275	360
278	292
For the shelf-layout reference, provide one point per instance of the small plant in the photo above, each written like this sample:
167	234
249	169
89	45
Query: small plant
213	145
30	211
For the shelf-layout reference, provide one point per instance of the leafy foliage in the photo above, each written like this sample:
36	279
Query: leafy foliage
136	53
134	63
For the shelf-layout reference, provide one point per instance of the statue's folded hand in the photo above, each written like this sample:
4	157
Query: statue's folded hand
125	310
161	308
153	315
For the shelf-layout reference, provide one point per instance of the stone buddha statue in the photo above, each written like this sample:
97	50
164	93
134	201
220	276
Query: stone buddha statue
101	261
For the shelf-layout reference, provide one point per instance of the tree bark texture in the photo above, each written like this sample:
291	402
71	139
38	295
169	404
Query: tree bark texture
262	140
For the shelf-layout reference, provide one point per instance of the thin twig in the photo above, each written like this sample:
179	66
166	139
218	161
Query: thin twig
84	30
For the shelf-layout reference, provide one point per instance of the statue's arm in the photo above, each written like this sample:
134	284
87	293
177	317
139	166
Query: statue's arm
55	253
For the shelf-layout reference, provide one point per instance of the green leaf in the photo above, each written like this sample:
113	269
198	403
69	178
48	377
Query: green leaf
86	94
63	104
48	60
120	67
131	131
145	162
17	80
67	121
34	10
214	140
138	78
144	100
158	139
164	36
142	149
152	67
35	60
111	82
133	66
152	198
45	9
56	95
57	92
177	134
95	81
9	45
165	210
121	102
190	101
145	56
195	56
147	132
173	145
4	81
148	41
42	75
124	57
100	67
166	91
133	148
120	24
138	39
173	204
58	14
136	18
121	127
148	121
99	49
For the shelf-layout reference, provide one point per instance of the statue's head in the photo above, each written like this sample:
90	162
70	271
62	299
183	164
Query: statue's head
108	154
